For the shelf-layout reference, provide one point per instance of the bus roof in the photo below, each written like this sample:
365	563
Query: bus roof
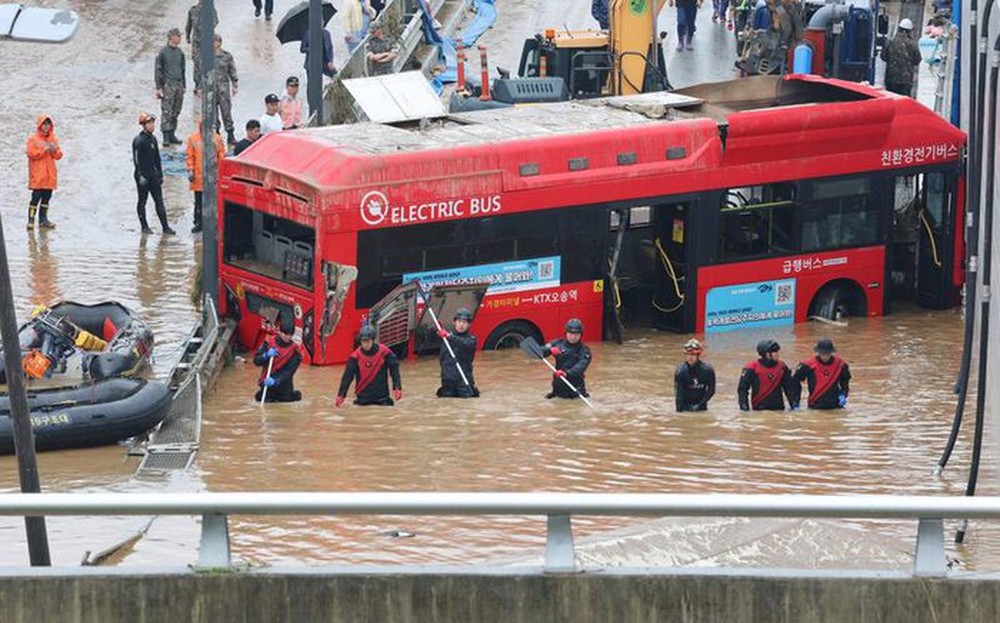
736	120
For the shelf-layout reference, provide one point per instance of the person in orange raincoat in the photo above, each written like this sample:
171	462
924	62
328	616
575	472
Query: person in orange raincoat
195	158
43	151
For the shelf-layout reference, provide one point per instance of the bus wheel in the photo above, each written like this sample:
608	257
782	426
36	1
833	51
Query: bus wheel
510	334
837	300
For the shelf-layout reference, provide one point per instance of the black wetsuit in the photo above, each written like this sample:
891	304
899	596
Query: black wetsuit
282	371
371	369
148	177
765	380
452	386
694	386
573	359
827	381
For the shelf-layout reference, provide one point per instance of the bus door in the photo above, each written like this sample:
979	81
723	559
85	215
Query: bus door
936	242
445	300
401	320
671	224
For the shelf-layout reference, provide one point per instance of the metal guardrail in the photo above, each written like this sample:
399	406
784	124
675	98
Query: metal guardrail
558	508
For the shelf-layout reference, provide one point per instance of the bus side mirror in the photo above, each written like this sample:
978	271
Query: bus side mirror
883	24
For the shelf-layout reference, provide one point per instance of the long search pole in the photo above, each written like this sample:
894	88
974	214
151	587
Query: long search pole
24	436
210	165
314	72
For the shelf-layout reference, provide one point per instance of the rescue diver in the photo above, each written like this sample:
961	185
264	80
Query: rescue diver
370	365
285	355
764	380
828	377
463	344
572	358
694	380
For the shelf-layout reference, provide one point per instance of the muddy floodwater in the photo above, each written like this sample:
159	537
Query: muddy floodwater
512	439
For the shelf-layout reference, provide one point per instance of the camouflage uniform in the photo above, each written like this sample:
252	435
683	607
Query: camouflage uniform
225	80
192	33
901	56
380	45
169	78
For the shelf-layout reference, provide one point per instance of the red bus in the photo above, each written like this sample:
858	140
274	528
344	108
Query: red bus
752	203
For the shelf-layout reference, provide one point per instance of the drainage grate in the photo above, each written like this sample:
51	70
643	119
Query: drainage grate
166	461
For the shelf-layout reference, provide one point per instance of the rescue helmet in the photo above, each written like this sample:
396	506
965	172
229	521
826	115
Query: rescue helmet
145	117
367	332
905	24
824	347
767	346
693	347
284	324
463	314
573	325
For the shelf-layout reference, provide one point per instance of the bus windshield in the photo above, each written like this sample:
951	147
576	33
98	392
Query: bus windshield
268	245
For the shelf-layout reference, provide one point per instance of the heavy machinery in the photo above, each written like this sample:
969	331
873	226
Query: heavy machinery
626	58
833	38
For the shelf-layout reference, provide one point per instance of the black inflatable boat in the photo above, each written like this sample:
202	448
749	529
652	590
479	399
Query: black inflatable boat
99	414
107	339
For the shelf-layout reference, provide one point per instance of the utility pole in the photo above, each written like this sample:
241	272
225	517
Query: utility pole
314	73
24	436
210	164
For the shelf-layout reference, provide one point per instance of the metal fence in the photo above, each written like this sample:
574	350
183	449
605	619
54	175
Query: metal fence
557	508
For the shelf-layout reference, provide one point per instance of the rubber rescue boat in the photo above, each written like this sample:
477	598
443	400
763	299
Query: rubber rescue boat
81	363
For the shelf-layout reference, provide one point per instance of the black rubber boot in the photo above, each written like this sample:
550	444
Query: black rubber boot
31	216
43	217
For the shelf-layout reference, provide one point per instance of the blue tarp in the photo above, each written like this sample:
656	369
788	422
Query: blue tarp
486	14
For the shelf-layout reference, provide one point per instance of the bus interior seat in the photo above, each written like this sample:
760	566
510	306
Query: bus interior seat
265	246
282	244
303	248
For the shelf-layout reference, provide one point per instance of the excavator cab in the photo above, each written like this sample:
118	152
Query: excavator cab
581	59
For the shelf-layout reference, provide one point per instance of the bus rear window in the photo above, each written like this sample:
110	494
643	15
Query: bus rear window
268	245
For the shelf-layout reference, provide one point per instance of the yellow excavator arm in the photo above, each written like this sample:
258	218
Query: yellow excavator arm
631	34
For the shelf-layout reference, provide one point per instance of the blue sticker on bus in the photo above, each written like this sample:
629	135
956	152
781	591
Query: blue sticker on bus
516	276
750	305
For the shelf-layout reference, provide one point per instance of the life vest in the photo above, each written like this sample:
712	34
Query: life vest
826	376
285	354
369	365
768	380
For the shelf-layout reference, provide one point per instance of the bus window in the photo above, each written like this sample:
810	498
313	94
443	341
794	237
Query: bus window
577	235
639	216
758	221
840	213
268	245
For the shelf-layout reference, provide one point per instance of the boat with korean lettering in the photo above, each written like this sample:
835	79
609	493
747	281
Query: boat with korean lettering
82	365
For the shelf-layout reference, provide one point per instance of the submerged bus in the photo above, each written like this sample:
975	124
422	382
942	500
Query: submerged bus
758	202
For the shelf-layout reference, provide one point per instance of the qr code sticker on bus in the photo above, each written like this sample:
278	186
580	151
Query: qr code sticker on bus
546	270
784	293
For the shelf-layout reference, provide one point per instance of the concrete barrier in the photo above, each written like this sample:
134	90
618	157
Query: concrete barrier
464	596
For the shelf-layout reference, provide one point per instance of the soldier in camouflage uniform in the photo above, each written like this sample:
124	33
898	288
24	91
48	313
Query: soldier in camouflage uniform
901	56
226	87
192	32
169	79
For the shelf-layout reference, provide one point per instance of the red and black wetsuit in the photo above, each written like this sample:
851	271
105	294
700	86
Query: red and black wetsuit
762	383
574	360
452	385
827	381
285	364
371	369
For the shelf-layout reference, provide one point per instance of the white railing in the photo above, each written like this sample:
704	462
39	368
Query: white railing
558	508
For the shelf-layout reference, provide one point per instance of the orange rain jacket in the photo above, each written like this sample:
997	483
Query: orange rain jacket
195	155
41	161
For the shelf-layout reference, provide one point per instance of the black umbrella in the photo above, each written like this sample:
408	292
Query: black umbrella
295	23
